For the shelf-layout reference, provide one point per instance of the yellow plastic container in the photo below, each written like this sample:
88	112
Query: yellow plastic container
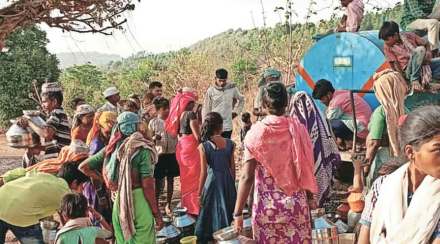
189	240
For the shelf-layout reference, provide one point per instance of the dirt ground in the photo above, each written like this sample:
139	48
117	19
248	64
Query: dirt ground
9	157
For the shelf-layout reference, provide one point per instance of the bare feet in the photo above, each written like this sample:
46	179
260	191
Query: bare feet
168	210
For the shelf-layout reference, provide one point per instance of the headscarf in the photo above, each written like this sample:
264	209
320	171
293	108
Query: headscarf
390	89
283	147
81	110
126	125
126	152
394	220
178	106
101	120
269	72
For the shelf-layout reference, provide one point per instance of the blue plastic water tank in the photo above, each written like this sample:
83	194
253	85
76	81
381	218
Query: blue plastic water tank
348	60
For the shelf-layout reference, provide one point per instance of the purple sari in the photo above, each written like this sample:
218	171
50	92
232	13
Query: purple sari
325	150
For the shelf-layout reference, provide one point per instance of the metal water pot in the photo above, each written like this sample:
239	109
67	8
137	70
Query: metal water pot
34	117
325	236
49	229
183	221
226	235
247	224
169	232
19	137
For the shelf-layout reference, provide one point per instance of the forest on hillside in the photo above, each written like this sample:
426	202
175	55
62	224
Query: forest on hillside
245	53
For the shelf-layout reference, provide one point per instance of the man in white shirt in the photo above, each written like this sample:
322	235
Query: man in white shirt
224	98
111	94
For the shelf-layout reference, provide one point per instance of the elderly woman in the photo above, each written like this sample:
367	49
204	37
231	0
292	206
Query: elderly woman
279	160
127	163
404	207
82	122
183	121
99	136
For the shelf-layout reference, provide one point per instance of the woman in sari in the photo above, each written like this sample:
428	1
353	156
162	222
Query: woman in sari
279	160
325	150
128	164
101	130
183	121
99	136
82	122
405	205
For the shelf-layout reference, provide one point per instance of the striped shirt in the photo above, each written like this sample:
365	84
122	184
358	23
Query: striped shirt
59	121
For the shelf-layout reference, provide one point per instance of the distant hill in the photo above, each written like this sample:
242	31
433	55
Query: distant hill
95	58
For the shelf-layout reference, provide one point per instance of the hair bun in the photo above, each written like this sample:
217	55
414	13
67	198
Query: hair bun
274	89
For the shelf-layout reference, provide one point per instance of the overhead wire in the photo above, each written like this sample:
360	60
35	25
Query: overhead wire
70	49
131	32
77	46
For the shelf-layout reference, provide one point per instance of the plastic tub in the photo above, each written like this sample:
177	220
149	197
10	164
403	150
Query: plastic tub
189	240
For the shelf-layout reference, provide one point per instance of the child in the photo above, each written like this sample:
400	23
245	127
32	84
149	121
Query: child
32	154
217	192
82	122
166	148
78	228
246	126
409	55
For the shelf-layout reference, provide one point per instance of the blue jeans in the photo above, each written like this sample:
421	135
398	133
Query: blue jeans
341	130
413	71
26	235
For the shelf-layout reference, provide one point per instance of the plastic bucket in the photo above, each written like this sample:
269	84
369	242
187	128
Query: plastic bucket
189	240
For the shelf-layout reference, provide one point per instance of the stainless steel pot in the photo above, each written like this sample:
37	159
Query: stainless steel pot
183	221
247	227
34	117
226	235
325	236
49	229
169	232
161	240
19	137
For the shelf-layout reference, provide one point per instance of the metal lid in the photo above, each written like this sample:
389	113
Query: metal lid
169	232
183	221
226	234
180	211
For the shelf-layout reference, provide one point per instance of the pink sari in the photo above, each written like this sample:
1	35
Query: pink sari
283	150
186	153
189	164
283	147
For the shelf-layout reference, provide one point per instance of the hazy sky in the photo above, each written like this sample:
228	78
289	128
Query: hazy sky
163	25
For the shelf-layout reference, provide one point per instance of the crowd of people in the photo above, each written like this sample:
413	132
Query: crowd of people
102	172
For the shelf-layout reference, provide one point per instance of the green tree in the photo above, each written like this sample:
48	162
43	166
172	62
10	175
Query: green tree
26	60
242	69
85	81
